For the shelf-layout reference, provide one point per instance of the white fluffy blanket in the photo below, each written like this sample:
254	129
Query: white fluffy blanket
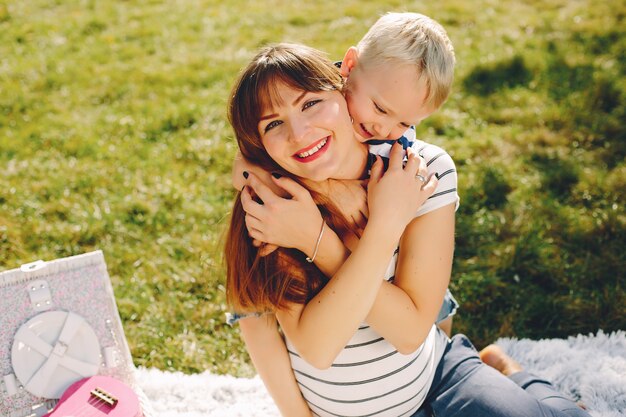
592	368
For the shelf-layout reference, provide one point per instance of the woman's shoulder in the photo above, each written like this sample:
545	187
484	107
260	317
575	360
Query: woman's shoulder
429	151
439	163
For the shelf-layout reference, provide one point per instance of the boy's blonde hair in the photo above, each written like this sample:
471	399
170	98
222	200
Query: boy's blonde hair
412	38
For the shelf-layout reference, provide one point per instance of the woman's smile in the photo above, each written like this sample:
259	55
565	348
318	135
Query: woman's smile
309	134
313	152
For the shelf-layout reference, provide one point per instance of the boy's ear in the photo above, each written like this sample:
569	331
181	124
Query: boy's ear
349	61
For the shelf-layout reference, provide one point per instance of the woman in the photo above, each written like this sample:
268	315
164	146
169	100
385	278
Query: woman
289	117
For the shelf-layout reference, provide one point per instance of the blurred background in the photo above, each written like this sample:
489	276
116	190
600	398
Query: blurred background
113	136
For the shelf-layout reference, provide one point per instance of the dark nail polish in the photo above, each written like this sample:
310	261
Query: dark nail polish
245	174
276	175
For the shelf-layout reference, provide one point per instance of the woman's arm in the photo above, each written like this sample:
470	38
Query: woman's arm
293	223
392	301
271	360
422	276
321	328
424	264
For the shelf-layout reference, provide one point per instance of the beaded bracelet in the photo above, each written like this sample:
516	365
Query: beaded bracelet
317	244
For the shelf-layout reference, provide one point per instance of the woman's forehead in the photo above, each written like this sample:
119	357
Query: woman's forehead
277	93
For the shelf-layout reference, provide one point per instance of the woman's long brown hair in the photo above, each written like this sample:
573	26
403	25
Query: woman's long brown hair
257	283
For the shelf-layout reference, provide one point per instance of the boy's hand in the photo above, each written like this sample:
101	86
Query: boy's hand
395	196
350	197
286	222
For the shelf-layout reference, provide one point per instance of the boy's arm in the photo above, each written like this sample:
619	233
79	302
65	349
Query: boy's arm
271	360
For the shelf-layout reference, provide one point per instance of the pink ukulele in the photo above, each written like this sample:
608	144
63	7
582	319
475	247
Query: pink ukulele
97	396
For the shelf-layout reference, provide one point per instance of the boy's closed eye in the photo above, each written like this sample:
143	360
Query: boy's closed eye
379	109
383	111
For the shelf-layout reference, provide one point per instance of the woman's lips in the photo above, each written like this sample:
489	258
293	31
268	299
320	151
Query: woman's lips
311	153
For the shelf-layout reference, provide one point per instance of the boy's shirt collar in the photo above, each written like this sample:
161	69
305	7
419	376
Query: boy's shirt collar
405	141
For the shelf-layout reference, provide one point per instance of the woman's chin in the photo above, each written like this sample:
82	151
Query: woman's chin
320	170
316	175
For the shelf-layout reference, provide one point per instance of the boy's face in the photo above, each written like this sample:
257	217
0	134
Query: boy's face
383	100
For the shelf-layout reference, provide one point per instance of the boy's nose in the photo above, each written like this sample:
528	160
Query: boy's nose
383	130
396	133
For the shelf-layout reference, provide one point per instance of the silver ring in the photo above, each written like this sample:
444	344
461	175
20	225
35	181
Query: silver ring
420	177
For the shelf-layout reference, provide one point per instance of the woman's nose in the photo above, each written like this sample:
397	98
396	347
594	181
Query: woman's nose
298	130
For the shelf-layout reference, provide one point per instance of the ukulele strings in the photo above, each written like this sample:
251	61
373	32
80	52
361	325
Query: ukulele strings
85	409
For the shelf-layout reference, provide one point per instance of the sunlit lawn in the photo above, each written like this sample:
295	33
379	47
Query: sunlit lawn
113	136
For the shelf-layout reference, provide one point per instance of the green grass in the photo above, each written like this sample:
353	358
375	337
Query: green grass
113	135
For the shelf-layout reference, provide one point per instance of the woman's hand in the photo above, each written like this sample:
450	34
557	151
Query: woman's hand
286	222
395	196
242	168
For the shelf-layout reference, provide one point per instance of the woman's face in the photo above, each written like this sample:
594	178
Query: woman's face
309	134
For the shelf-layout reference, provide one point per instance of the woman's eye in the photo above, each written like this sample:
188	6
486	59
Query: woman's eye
310	104
272	125
379	109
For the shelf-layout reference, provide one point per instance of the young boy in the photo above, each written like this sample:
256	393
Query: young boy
397	75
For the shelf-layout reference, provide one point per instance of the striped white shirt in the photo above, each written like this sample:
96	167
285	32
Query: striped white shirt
370	377
438	162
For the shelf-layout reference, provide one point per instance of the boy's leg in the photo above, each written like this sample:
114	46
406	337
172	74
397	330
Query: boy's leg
545	392
539	388
464	386
448	309
446	326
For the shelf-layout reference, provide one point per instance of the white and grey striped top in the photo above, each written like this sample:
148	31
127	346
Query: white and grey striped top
438	162
370	377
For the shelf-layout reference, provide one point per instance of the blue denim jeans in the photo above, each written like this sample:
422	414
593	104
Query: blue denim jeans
448	308
465	387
